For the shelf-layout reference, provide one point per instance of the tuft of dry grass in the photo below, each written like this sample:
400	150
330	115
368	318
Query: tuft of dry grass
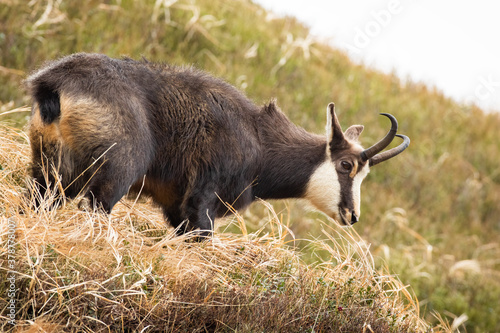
81	271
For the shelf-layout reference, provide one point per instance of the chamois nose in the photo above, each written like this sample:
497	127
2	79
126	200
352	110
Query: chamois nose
354	217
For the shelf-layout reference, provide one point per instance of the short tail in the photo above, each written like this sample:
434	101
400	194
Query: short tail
47	99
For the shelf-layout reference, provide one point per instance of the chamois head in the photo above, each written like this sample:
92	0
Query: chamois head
335	185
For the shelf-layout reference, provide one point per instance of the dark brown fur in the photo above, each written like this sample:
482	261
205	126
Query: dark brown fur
179	135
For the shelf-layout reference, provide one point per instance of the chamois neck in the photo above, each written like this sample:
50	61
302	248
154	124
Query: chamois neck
290	156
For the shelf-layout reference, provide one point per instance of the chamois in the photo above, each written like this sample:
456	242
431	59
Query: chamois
106	127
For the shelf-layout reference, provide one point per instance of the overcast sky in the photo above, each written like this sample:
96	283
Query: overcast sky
453	45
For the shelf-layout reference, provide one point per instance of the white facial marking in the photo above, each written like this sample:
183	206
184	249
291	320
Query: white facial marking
323	190
356	188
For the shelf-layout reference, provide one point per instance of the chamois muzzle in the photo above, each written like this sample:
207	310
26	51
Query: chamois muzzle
372	154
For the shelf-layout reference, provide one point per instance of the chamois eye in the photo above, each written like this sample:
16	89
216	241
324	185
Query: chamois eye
346	165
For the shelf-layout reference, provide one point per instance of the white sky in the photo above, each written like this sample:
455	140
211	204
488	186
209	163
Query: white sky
453	45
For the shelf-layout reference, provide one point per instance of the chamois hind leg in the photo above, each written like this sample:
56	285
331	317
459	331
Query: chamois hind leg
45	164
43	182
110	183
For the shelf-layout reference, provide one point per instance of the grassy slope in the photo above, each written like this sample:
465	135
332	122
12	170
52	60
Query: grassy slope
431	214
84	272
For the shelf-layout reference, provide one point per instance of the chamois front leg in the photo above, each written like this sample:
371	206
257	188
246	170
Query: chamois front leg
196	214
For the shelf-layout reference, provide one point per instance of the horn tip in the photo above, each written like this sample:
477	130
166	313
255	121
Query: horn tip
406	140
404	137
394	121
388	115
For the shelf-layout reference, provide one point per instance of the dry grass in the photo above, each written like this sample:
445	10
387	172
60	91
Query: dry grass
80	271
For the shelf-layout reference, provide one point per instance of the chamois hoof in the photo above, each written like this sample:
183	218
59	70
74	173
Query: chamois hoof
85	205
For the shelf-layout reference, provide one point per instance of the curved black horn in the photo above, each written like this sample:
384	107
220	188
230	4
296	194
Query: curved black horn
391	152
379	146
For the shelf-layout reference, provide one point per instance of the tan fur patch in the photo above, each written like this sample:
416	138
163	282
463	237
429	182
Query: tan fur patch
163	193
354	169
48	132
73	119
65	126
85	121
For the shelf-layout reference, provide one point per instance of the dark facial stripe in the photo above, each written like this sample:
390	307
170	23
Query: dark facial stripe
346	195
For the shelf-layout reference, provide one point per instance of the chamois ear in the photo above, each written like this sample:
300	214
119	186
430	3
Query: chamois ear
334	134
353	132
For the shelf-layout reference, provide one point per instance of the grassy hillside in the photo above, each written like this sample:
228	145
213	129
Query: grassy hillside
79	271
431	215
